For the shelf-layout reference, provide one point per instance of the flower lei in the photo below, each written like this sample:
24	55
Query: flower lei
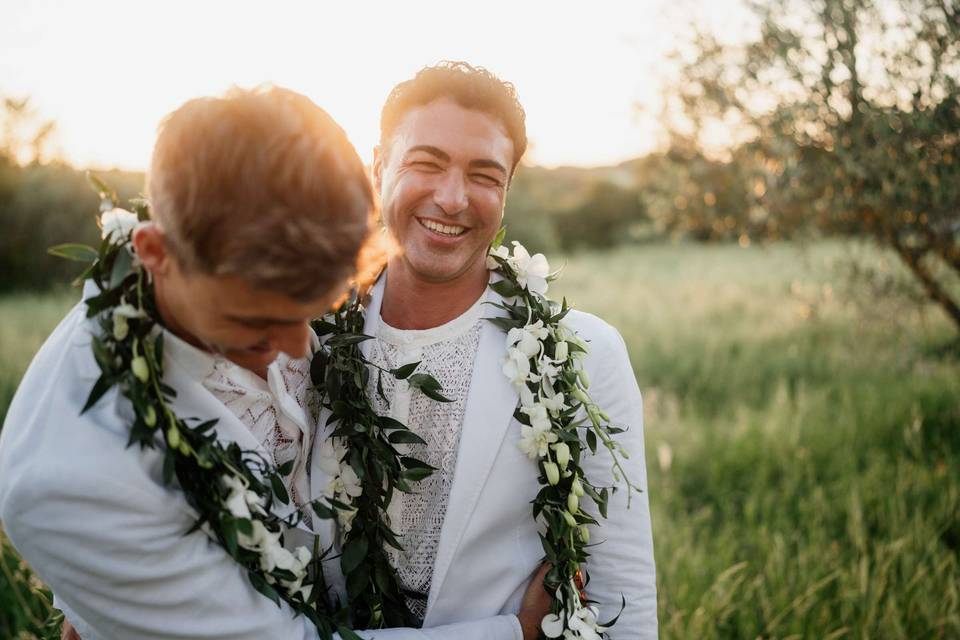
364	466
233	490
543	362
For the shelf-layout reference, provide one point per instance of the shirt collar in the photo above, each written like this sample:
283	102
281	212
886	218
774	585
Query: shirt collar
196	362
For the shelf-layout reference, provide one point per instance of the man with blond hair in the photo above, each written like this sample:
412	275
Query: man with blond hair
260	208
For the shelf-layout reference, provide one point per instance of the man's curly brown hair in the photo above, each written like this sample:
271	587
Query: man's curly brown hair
469	86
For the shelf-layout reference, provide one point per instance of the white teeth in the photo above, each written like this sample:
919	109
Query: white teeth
445	229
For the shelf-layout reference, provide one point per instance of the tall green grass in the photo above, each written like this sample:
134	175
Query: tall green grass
803	440
804	453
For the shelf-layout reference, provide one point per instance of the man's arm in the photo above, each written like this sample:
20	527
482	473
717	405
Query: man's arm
129	572
623	562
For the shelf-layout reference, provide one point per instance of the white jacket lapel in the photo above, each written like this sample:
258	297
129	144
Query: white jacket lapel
487	416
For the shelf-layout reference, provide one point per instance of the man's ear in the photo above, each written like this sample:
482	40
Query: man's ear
150	243
378	168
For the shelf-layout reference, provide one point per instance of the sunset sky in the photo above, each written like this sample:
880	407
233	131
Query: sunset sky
107	71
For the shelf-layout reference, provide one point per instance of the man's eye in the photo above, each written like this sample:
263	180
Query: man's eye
426	165
487	180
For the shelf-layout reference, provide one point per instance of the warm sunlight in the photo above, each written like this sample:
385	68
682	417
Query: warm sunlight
106	72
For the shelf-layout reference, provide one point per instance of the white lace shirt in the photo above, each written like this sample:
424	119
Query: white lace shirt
447	353
280	411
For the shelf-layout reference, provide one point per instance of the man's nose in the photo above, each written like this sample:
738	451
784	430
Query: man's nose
293	340
451	193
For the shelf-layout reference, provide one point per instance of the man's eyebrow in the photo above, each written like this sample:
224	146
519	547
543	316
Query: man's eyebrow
443	155
434	151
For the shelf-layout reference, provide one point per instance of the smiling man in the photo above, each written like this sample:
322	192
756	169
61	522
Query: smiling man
451	139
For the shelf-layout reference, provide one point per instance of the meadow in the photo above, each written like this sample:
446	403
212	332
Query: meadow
802	434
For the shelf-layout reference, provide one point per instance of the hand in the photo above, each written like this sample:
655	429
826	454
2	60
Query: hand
67	632
535	605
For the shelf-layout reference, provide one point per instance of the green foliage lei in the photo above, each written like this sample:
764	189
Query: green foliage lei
234	490
366	467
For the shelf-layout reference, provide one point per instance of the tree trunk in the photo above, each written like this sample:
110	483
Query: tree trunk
933	289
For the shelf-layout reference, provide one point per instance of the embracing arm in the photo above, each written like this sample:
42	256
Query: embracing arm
622	562
117	558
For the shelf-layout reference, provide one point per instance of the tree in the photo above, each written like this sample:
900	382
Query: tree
849	111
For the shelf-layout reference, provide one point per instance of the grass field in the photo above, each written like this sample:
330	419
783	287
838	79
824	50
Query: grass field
803	440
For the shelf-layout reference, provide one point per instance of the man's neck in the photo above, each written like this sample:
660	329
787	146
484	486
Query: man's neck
410	302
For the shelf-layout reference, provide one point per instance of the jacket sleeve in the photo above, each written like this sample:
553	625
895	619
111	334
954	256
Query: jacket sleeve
622	563
116	556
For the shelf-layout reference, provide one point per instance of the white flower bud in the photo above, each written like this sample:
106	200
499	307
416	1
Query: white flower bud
140	368
568	517
562	452
576	488
120	327
573	503
584	533
553	473
173	437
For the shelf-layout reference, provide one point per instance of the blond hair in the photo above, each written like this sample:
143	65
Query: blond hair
262	184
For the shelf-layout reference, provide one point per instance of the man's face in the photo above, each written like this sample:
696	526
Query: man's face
226	315
442	180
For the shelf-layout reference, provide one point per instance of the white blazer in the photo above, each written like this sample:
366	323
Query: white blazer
489	544
95	521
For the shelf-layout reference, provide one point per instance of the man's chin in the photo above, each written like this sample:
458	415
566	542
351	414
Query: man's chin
252	359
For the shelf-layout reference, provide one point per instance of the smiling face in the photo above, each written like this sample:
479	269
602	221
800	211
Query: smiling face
443	178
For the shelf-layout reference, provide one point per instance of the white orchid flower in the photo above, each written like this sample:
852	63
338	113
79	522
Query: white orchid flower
237	505
303	556
552	625
527	398
584	623
260	537
539	418
331	451
350	481
255	502
500	252
553	401
274	556
516	367
345	518
532	271
117	223
534	441
548	370
528	339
